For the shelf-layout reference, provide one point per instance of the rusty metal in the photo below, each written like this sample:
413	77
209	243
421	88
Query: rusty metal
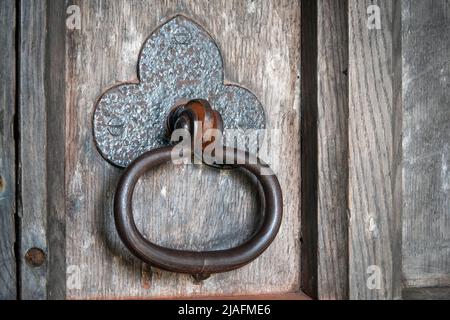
178	62
195	111
199	264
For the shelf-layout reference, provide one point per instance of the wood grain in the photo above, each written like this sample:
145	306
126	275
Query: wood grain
426	92
286	296
41	120
374	150
324	149
433	293
8	288
55	102
332	186
355	185
184	207
33	143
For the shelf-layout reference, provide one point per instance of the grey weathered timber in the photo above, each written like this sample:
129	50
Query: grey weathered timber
7	150
426	144
374	151
178	62
41	167
332	126
324	149
182	207
309	145
433	293
55	103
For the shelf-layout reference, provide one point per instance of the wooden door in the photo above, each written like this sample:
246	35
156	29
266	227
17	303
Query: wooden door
356	93
182	207
375	190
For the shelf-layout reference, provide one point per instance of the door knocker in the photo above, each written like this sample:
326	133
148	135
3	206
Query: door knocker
182	87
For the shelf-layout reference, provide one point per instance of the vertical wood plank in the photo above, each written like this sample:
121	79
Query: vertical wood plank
426	143
309	145
260	44
324	149
332	105
374	144
55	102
7	150
33	144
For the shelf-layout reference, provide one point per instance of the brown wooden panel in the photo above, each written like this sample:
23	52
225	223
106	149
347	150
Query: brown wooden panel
259	41
426	137
374	151
7	150
324	149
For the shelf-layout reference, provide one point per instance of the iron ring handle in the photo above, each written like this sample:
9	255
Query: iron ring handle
203	263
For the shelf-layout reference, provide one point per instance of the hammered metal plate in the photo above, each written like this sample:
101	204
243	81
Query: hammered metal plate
178	61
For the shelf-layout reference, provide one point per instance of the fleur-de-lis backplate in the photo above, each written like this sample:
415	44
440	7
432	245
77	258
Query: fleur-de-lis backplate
179	61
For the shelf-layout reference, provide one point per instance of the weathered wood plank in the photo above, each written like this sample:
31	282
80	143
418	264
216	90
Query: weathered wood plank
332	105
8	288
260	45
426	143
434	293
55	99
374	157
324	149
33	143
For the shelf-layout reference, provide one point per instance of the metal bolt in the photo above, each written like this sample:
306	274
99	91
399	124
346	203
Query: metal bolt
35	257
182	36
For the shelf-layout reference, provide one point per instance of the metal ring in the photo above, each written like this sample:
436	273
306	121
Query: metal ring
194	262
